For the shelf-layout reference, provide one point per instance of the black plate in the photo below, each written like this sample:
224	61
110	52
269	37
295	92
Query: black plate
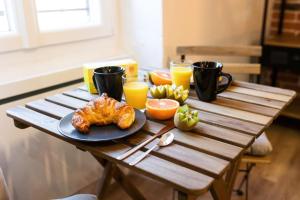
100	133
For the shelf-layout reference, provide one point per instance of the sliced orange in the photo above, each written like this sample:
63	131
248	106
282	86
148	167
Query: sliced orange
161	77
161	109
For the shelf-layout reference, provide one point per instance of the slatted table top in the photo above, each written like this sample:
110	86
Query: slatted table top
227	127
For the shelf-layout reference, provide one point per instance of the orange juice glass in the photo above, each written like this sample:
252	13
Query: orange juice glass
181	74
135	91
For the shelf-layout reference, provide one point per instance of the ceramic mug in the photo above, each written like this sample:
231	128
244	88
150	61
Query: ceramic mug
109	80
206	79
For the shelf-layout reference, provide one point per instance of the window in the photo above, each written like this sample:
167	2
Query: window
65	14
9	39
34	23
4	25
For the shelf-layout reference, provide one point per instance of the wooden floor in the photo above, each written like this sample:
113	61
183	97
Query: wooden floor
279	180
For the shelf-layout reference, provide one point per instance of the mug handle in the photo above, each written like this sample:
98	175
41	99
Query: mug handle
223	87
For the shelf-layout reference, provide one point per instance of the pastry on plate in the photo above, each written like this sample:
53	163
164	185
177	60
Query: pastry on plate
102	111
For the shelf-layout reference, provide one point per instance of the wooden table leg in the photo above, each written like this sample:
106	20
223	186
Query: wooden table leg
20	125
231	175
219	190
223	189
178	195
105	179
121	179
127	185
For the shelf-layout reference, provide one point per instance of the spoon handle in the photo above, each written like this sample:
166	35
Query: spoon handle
136	148
142	156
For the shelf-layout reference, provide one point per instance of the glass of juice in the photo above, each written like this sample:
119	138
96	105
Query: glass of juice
181	73
135	90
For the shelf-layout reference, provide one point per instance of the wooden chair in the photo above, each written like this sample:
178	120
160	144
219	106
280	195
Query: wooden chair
254	69
231	51
249	162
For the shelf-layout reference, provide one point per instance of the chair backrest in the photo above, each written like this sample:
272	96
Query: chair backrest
242	51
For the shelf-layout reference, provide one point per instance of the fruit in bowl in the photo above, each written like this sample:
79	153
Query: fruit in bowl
185	118
161	109
160	77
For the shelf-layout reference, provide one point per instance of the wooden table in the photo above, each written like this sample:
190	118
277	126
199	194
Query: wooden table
205	159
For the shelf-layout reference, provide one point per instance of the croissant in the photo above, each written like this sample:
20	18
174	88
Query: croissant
103	111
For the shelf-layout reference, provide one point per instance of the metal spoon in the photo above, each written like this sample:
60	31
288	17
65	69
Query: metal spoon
165	140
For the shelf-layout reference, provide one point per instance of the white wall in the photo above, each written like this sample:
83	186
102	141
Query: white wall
142	30
210	22
27	64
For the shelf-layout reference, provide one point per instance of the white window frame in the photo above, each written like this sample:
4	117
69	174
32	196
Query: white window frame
28	34
11	40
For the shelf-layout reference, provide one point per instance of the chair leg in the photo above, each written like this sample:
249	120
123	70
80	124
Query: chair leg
245	180
239	190
247	184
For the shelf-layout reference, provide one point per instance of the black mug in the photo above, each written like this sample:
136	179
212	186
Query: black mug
206	79
109	80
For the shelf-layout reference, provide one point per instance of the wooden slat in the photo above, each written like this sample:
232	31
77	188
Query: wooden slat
207	145
220	50
231	112
264	88
231	123
216	132
253	99
195	141
184	156
242	68
155	127
66	101
228	122
220	165
80	94
229	136
49	108
222	134
178	176
256	159
240	105
257	93
250	107
182	178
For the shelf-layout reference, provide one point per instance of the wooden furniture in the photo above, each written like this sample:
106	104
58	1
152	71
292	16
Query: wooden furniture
241	51
249	162
242	68
201	160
